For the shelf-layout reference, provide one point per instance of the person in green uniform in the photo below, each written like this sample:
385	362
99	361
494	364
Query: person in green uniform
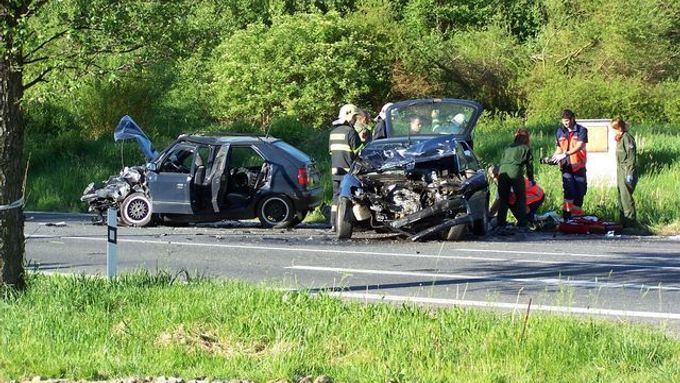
626	172
515	159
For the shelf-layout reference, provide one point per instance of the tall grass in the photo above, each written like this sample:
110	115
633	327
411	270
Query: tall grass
139	325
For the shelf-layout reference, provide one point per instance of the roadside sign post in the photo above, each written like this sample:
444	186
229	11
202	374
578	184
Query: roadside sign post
112	243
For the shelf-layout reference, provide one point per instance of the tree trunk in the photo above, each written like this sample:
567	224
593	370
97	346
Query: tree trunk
11	153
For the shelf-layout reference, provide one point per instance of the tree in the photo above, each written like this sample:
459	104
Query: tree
40	39
305	66
11	143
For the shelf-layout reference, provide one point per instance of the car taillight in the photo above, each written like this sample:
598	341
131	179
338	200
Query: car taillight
303	177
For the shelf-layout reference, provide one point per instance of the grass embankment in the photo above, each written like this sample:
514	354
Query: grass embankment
62	165
149	325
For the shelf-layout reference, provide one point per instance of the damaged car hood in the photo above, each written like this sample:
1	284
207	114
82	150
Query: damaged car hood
127	129
386	154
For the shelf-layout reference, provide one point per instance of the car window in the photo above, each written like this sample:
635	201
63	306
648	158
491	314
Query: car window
178	160
292	150
245	157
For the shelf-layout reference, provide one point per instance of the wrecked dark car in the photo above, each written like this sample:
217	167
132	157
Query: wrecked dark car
201	178
422	181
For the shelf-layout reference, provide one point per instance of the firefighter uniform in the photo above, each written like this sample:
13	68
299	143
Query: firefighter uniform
573	167
343	145
626	177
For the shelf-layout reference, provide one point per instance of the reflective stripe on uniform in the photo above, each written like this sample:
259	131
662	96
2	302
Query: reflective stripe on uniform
338	170
338	136
341	147
334	207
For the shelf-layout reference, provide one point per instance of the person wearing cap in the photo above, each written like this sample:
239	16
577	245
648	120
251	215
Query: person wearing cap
570	151
380	130
516	158
343	144
626	172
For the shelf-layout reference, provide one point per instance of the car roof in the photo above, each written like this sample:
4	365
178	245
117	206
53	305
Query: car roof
226	139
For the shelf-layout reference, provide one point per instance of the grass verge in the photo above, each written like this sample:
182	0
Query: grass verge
139	325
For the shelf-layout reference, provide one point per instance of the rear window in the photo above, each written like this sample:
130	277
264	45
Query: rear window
292	150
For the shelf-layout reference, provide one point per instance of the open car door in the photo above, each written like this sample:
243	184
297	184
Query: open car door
171	181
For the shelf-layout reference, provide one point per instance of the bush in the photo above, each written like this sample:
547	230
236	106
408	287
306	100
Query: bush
305	66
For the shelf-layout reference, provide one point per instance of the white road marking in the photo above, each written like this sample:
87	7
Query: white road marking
388	254
512	306
489	278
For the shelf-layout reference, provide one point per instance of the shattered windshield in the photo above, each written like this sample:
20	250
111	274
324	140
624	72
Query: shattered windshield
430	118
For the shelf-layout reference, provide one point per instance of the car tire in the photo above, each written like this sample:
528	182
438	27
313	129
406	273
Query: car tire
481	226
276	211
343	226
136	210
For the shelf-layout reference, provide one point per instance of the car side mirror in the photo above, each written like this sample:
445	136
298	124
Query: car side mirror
152	166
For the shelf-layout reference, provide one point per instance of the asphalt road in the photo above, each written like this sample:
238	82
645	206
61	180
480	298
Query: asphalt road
621	278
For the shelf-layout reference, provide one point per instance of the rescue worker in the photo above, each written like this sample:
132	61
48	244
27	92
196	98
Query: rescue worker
363	127
626	172
343	145
534	196
570	151
379	130
516	158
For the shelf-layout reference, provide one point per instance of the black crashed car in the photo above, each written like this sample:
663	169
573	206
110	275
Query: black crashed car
201	178
423	180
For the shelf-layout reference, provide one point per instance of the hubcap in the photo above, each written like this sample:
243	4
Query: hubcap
138	209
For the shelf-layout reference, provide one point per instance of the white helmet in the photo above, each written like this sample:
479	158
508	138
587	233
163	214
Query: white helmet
383	110
346	113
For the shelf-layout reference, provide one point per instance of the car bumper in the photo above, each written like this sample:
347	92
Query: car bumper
308	199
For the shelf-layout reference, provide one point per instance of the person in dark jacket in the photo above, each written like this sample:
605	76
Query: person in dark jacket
570	152
379	130
343	144
516	158
626	172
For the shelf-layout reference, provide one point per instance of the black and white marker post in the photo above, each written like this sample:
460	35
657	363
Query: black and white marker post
112	243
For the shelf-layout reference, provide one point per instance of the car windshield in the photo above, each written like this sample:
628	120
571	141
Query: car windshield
429	119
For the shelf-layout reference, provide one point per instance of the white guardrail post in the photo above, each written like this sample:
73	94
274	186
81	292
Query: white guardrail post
112	243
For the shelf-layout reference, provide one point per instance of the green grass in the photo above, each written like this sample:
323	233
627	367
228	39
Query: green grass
140	325
63	164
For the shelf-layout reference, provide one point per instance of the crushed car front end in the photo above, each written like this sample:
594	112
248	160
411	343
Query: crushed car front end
422	180
419	191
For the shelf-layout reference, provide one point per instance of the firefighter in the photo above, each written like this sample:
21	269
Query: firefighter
343	145
626	174
570	151
380	131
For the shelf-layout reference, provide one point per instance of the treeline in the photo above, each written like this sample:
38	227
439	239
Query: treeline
204	64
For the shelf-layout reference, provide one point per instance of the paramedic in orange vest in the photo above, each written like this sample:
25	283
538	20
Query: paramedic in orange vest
571	139
534	196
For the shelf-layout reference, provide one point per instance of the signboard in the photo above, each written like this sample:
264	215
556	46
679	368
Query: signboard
601	150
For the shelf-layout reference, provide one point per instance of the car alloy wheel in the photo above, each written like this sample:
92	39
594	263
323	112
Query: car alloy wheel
276	211
136	210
